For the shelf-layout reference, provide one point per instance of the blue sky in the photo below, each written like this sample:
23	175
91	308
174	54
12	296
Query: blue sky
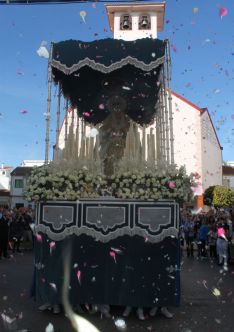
202	66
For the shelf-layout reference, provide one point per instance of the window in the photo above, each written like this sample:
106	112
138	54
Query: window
126	22
144	22
19	205
19	183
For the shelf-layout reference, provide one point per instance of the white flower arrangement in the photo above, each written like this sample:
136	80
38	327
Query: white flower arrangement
49	183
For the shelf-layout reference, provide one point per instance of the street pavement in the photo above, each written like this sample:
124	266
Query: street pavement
207	302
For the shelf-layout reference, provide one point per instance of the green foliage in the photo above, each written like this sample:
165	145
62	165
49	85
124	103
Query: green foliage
223	196
208	196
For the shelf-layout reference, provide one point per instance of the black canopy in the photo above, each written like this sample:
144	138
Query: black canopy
97	76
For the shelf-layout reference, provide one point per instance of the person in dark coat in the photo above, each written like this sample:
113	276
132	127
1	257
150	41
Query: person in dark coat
4	233
16	233
28	235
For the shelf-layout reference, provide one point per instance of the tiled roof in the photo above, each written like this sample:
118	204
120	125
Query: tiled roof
228	170
186	101
4	193
200	109
6	167
21	171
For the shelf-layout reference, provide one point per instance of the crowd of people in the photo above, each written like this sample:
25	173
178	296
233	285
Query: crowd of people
210	235
15	230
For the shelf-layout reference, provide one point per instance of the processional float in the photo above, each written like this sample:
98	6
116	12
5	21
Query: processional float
123	251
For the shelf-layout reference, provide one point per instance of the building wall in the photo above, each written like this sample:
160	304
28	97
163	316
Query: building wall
5	177
4	201
32	163
187	135
211	154
135	33
16	200
228	181
17	194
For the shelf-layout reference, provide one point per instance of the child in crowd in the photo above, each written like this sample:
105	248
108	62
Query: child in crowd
222	247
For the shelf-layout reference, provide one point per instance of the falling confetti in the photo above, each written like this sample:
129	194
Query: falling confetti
101	106
53	286
120	324
216	292
204	283
83	15
52	246
174	48
38	237
117	251
9	323
223	12
42	51
19	72
23	111
113	255
207	40
78	274
49	328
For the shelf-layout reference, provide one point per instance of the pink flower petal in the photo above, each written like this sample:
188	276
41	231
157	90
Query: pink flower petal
23	111
78	274
52	245
171	184
113	255
38	237
101	106
174	48
223	12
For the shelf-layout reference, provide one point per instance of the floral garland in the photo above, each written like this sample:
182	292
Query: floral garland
47	183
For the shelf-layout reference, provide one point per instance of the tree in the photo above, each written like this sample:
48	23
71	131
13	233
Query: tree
209	195
223	196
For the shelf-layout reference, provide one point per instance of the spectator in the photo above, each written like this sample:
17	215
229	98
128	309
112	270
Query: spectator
189	235
203	238
16	232
4	233
212	238
28	236
222	247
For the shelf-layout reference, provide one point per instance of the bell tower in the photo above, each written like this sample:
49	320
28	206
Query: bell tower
136	21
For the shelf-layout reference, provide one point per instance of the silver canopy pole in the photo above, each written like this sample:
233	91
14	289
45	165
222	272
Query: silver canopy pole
58	121
48	113
168	61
